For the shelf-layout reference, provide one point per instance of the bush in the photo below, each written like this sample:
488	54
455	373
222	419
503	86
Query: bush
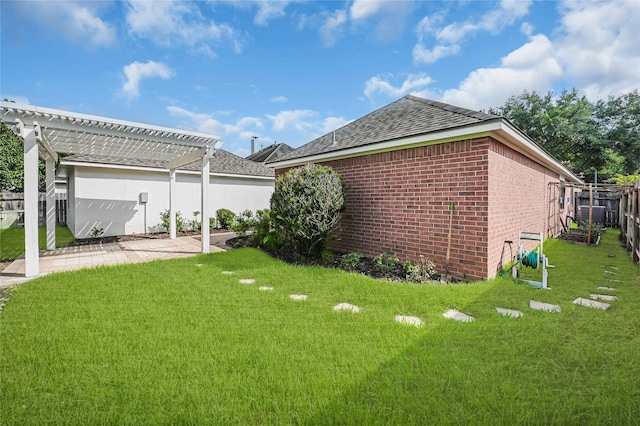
244	221
180	222
226	218
421	271
306	204
350	261
386	262
266	233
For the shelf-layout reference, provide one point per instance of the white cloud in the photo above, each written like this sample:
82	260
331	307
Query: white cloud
600	47
530	67
413	82
332	123
450	36
77	21
292	119
268	10
330	30
280	99
137	71
362	9
171	23
244	127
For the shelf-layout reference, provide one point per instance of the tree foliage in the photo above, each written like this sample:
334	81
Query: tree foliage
12	162
604	136
307	203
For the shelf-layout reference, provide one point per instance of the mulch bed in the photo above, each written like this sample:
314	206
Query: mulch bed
135	237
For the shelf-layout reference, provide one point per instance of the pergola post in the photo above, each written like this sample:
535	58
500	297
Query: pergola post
205	230
172	204
50	202
31	259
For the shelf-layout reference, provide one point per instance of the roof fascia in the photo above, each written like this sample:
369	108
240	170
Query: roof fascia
64	164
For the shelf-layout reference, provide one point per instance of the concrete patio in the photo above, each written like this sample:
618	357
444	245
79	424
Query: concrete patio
92	255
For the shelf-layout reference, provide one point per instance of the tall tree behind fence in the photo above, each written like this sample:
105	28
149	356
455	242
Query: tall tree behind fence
630	220
12	205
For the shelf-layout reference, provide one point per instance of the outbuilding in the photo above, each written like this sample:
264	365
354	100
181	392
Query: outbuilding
406	164
124	196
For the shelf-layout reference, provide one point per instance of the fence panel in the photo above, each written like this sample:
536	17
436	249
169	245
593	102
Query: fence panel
12	207
630	220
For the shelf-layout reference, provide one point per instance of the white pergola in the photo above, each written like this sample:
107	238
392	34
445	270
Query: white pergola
47	132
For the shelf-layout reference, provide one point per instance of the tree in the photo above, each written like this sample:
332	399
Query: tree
565	127
619	119
12	162
306	204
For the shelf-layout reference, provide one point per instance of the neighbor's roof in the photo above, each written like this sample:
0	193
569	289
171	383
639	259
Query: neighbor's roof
270	153
222	163
408	116
74	133
414	121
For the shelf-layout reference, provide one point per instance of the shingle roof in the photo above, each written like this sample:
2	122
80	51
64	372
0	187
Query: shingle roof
408	116
222	162
270	153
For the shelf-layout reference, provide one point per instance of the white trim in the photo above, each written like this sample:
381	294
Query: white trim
66	163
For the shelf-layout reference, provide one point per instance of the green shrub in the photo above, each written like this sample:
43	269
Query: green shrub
266	233
307	203
226	218
244	221
350	261
195	224
180	222
420	271
386	262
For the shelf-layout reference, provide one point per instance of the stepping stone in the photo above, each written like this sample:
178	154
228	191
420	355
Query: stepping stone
298	296
509	312
247	281
613	281
610	267
227	272
591	303
265	288
610	272
606	288
198	264
539	306
346	307
457	316
605	297
415	321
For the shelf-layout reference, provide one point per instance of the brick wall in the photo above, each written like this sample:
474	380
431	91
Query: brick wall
399	202
520	199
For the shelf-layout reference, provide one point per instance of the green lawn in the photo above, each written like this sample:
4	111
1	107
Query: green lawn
177	343
12	241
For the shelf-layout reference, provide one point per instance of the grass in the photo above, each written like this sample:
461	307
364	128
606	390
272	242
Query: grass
12	241
176	343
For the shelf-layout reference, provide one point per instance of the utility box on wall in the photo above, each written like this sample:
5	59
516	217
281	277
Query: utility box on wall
144	197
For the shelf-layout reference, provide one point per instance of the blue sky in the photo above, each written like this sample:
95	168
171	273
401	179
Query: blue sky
290	71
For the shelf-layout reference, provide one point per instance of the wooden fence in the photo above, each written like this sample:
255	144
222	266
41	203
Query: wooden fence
12	204
630	220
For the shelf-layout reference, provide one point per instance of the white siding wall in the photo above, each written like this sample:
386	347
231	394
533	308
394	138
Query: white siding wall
110	198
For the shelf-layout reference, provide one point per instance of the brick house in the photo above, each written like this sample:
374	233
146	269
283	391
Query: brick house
403	165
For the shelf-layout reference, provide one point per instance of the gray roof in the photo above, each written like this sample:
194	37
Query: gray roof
270	153
408	116
223	162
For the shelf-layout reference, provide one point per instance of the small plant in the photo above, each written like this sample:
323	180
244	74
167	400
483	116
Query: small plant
350	261
180	222
596	229
327	257
96	232
420	271
226	218
195	224
243	223
386	262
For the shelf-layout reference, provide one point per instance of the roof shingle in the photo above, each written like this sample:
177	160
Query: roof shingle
408	116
